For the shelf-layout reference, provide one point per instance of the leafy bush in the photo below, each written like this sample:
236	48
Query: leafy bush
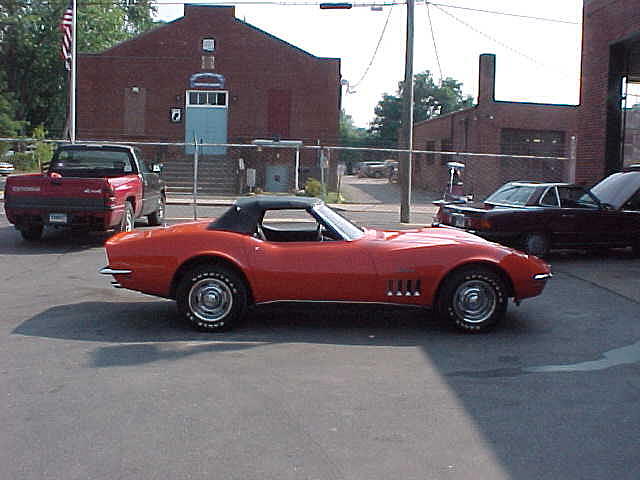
313	188
24	162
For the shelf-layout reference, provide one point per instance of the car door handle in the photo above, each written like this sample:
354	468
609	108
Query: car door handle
567	215
258	250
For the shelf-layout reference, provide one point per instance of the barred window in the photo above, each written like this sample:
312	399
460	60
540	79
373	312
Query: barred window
206	98
542	143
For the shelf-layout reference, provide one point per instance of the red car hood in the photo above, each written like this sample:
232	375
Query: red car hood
426	236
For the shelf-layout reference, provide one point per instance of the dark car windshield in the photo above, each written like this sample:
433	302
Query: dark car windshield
512	194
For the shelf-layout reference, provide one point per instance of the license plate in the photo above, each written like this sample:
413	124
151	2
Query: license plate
57	218
457	220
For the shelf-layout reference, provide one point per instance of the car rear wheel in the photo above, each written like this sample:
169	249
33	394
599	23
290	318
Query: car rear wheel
474	299
32	233
128	221
156	218
212	298
536	244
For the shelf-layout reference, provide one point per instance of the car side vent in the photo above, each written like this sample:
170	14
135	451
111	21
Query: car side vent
403	288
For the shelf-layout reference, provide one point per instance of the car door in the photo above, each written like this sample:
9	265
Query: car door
316	270
151	187
581	220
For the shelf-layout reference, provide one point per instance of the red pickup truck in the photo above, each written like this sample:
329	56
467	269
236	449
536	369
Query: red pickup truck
86	187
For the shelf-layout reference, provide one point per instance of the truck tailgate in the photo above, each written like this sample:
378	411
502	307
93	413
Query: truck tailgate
45	193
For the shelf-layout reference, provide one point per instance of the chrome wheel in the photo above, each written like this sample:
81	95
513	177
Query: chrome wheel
210	300
474	298
475	301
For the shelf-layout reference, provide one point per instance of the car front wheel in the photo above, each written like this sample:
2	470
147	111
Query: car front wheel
211	298
474	299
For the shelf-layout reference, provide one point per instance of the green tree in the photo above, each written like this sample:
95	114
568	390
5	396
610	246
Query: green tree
429	101
30	49
352	136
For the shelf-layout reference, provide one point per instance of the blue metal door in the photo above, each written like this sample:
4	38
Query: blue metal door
277	178
206	120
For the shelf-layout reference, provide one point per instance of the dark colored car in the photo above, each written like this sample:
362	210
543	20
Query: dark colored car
537	217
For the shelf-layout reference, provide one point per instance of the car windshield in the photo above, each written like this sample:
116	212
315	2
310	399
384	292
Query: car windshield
344	227
77	162
512	194
616	189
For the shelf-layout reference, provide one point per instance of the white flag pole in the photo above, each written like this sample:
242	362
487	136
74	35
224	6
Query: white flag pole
72	87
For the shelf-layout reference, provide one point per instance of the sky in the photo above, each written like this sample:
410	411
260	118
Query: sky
536	61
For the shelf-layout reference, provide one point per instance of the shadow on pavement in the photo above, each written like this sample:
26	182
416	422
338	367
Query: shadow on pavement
54	241
147	331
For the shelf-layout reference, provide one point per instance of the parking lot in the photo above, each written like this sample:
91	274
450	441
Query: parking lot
105	383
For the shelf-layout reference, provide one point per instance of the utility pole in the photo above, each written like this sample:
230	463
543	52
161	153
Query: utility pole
72	86
407	120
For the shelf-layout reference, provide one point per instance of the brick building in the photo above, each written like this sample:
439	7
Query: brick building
492	126
218	79
610	86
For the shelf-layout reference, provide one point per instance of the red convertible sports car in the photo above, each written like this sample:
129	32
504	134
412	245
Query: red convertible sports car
291	249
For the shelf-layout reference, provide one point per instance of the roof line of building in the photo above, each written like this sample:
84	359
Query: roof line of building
236	19
537	103
448	114
462	110
283	41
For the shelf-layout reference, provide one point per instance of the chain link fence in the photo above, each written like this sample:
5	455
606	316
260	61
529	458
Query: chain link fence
272	166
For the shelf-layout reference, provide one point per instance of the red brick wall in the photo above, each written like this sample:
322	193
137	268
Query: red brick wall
478	130
252	62
605	22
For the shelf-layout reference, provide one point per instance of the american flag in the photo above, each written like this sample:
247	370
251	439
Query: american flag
66	27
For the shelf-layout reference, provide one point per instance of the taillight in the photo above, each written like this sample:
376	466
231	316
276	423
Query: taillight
109	195
477	223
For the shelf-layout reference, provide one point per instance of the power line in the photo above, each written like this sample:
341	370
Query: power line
495	12
433	38
387	3
350	88
471	27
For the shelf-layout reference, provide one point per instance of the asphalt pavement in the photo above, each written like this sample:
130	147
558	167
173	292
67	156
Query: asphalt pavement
105	383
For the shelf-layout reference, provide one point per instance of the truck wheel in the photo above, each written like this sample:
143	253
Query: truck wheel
127	222
211	298
156	218
32	233
474	299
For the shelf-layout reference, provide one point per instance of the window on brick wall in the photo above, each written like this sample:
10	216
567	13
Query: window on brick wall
514	141
200	98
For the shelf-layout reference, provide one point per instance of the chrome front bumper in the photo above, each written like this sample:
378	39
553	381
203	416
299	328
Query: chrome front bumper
113	271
